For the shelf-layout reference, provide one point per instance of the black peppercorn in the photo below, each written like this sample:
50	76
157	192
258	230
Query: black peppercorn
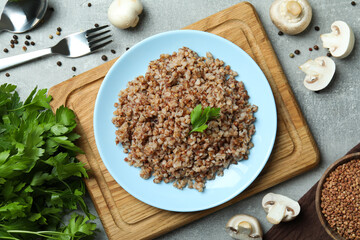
316	47
73	68
12	45
15	37
297	52
127	48
353	3
28	37
316	28
113	51
16	41
89	5
7	74
329	54
59	63
104	57
27	43
12	41
32	43
59	29
280	33
96	25
6	50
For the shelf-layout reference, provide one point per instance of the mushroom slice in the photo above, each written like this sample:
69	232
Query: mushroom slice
319	73
124	13
280	208
291	16
340	41
244	227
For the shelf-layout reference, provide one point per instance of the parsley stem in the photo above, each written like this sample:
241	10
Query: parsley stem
39	233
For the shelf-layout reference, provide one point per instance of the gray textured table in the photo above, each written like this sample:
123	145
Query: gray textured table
333	114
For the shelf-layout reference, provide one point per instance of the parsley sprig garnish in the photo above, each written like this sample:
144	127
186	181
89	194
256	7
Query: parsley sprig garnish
200	117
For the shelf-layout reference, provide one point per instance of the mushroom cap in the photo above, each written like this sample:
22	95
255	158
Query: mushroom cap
244	227
124	13
291	16
340	41
292	206
319	73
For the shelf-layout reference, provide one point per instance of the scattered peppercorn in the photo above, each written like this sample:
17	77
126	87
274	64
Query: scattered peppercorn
58	33
52	9
96	25
15	37
16	41
329	54
12	45
6	50
104	57
59	29
27	43
73	68
51	36
316	47
291	55
12	41
280	33
353	3
28	37
32	43
297	52
127	48
310	49
24	48
89	5
7	74
59	63
113	51
317	28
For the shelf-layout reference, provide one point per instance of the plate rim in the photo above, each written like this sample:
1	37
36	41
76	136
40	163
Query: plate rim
208	206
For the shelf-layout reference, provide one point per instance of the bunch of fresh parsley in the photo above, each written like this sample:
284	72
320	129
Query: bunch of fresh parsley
40	177
200	117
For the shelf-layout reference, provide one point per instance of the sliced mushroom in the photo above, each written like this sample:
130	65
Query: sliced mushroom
340	41
244	227
319	73
124	13
291	16
280	208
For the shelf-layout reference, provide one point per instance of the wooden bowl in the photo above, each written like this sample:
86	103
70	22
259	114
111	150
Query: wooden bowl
321	217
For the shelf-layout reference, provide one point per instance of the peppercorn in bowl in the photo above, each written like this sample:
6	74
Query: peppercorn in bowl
338	198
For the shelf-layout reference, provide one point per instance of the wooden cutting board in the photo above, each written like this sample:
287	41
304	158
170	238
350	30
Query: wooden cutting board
295	150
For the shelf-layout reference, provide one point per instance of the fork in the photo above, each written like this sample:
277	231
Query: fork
72	46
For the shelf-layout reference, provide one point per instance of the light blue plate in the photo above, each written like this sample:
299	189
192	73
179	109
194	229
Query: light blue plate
238	177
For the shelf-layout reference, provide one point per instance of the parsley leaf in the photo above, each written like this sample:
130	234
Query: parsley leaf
200	117
40	177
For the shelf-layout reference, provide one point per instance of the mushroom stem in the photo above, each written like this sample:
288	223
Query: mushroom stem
276	213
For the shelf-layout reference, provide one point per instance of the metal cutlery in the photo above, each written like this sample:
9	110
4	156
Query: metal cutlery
72	46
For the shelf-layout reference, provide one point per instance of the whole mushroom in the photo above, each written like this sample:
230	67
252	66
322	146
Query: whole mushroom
244	227
340	41
124	13
291	16
319	73
280	208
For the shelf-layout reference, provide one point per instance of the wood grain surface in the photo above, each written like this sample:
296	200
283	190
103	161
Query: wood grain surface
125	217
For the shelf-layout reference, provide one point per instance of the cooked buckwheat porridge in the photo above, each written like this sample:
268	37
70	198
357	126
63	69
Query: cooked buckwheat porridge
153	120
